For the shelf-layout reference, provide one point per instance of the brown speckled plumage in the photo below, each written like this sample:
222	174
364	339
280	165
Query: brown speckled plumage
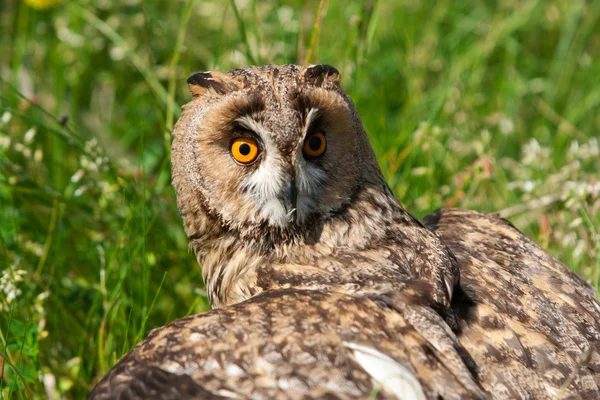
531	325
322	284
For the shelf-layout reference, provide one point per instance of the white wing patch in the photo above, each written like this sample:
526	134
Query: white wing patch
391	376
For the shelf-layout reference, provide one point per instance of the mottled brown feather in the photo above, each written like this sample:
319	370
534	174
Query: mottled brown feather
265	348
531	325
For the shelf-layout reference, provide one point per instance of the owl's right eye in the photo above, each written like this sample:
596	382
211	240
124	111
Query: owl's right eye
315	145
244	150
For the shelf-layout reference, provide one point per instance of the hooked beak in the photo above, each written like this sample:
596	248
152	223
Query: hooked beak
291	198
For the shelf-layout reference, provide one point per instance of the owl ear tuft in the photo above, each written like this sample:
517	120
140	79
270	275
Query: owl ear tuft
211	82
321	73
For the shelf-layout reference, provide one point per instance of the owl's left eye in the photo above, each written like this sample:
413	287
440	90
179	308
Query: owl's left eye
315	145
244	150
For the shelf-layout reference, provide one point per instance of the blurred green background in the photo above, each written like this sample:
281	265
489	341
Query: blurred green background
490	105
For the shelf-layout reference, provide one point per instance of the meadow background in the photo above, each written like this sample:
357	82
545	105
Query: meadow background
490	105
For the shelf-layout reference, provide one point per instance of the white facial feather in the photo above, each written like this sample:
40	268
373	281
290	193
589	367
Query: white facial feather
268	186
247	122
265	186
309	178
310	117
390	375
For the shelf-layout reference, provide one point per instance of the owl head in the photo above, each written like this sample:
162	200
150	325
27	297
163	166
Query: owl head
268	149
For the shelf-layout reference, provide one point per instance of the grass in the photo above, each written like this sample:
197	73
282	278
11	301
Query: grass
490	105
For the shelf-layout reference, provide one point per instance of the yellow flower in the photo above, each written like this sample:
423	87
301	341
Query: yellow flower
42	4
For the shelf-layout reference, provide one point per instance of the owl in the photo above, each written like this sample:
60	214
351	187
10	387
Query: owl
323	286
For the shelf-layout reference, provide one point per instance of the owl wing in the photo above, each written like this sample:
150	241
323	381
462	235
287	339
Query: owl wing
299	344
531	325
135	379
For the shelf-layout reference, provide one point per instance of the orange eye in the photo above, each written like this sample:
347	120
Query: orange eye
244	150
315	145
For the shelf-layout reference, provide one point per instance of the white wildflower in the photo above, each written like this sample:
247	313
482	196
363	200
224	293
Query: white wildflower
79	191
92	167
419	171
285	15
531	151
4	141
421	131
91	145
26	151
5	119
19	147
11	292
528	186
506	126
570	203
29	135
236	57
580	249
590	150
43	296
573	148
575	223
50	385
77	176
569	239
39	308
68	36
34	248
593	143
87	164
9	280
594	189
117	53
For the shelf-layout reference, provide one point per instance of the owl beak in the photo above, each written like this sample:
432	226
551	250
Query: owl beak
291	199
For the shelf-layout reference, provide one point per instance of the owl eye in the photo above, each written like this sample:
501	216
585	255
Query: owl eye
315	145
244	150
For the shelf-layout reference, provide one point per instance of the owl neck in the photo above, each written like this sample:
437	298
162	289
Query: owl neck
236	268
